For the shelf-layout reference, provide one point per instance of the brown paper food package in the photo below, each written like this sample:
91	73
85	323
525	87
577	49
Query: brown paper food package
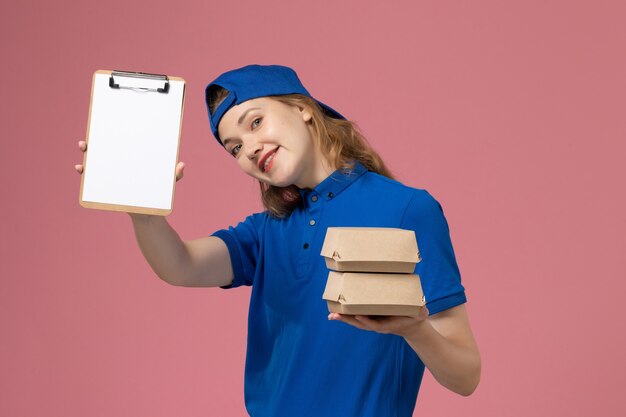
370	249
374	294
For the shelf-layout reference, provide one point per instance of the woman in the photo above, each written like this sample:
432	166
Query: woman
316	171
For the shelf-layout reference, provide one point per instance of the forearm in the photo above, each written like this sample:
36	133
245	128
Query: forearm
161	246
455	366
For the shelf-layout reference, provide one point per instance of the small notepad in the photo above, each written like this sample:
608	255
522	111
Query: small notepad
133	137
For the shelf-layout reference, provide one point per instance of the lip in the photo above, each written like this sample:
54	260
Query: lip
264	158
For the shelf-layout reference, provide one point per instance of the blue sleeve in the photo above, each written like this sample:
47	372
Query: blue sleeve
243	246
438	270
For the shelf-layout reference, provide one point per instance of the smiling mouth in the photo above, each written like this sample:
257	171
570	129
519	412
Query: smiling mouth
268	161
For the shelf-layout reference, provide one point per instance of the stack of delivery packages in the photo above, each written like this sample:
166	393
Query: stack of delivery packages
371	271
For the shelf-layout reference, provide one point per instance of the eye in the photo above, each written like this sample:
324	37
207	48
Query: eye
255	123
235	150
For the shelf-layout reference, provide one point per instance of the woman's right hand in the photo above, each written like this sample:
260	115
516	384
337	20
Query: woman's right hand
82	145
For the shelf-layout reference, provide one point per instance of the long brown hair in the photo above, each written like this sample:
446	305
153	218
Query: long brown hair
339	140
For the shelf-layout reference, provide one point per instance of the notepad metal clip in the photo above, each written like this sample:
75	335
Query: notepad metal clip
140	75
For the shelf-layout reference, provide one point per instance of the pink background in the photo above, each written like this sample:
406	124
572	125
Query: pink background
510	113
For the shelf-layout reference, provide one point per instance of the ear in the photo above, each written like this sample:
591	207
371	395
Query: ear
307	116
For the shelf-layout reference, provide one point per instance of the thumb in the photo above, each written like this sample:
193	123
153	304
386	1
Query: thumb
180	167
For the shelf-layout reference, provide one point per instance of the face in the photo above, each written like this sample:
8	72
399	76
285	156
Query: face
273	142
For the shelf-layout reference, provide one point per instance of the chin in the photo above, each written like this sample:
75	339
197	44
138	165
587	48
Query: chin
281	178
279	183
271	181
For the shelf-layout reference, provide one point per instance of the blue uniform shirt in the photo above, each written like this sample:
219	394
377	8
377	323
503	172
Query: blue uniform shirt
298	362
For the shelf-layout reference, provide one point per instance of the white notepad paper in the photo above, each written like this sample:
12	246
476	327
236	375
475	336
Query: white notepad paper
132	144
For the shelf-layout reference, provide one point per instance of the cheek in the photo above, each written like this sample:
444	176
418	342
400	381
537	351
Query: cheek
300	135
245	164
308	138
274	130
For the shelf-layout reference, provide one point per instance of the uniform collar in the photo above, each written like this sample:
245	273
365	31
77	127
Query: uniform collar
335	183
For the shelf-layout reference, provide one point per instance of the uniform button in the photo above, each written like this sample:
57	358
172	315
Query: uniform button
331	195
306	246
312	222
314	198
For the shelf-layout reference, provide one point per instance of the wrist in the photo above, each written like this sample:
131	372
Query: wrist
418	331
141	218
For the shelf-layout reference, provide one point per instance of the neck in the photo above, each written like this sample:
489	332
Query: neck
321	168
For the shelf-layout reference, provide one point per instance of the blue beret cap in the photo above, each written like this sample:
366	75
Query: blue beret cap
254	81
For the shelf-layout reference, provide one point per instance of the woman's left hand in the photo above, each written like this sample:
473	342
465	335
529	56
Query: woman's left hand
443	341
399	325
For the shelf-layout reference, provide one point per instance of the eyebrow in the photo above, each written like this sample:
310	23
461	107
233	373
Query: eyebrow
243	116
240	121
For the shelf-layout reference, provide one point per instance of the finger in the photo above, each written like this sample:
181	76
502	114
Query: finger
370	323
347	319
367	320
388	320
79	168
180	170
82	145
399	325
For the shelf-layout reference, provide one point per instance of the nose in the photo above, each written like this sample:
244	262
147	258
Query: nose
254	148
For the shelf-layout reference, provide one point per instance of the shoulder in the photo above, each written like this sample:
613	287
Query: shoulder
259	218
425	213
381	180
375	181
252	224
256	219
418	198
